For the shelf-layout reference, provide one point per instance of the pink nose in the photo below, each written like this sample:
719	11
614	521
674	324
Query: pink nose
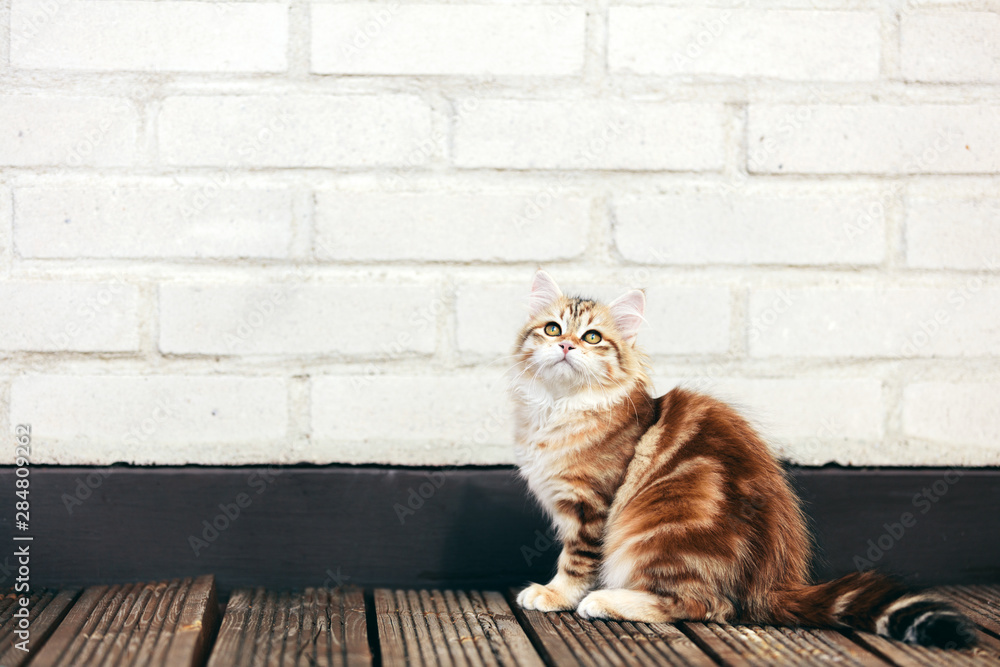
566	347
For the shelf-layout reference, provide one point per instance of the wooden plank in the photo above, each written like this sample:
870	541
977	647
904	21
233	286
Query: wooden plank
476	633
173	613
513	635
357	650
442	647
112	625
629	647
233	629
45	610
324	628
451	628
412	617
10	605
753	646
315	627
543	629
392	644
143	654
140	623
907	655
978	605
667	641
279	631
82	617
464	633
463	654
568	639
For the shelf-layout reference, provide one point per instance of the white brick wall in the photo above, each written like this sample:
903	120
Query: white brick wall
152	221
953	47
153	419
446	39
149	36
250	232
811	46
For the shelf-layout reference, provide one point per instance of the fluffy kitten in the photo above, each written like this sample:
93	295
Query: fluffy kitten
671	508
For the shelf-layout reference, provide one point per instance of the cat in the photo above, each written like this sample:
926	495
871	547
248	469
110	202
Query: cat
671	508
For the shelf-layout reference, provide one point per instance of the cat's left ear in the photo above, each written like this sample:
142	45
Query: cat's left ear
544	292
627	311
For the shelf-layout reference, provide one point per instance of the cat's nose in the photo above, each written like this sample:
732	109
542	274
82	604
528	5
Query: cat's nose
566	347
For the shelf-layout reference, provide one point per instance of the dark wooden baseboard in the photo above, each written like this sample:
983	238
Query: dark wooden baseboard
467	527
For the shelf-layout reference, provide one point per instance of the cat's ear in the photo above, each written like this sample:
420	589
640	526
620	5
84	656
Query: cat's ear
627	311
544	292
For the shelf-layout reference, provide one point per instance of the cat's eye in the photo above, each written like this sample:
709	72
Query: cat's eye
553	329
592	337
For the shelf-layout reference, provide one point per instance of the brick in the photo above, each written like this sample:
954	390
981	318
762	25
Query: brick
63	316
864	322
953	233
372	320
152	419
950	46
874	139
590	134
805	45
413	419
391	38
960	413
680	319
37	130
152	221
461	226
6	220
793	410
793	226
294	130
107	35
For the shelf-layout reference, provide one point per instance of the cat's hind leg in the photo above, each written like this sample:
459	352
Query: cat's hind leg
623	604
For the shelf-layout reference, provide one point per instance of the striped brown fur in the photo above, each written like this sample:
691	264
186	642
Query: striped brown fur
671	508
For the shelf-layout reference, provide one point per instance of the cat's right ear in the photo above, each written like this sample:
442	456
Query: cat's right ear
544	292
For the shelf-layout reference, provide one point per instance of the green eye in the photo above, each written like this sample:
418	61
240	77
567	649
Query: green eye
592	337
553	329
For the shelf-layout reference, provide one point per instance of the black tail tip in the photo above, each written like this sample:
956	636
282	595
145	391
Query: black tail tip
946	629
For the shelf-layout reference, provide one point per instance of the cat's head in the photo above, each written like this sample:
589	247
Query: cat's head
572	344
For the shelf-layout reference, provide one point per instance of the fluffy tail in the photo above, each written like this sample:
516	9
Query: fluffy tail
875	603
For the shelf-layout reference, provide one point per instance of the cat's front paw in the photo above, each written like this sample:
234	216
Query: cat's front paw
544	598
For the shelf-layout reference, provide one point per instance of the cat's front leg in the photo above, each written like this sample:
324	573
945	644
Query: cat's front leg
579	562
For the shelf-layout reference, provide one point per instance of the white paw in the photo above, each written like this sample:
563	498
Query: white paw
543	598
593	606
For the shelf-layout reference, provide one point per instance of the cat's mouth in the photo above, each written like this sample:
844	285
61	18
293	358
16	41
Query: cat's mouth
563	363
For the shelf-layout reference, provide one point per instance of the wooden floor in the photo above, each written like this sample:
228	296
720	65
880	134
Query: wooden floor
178	623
